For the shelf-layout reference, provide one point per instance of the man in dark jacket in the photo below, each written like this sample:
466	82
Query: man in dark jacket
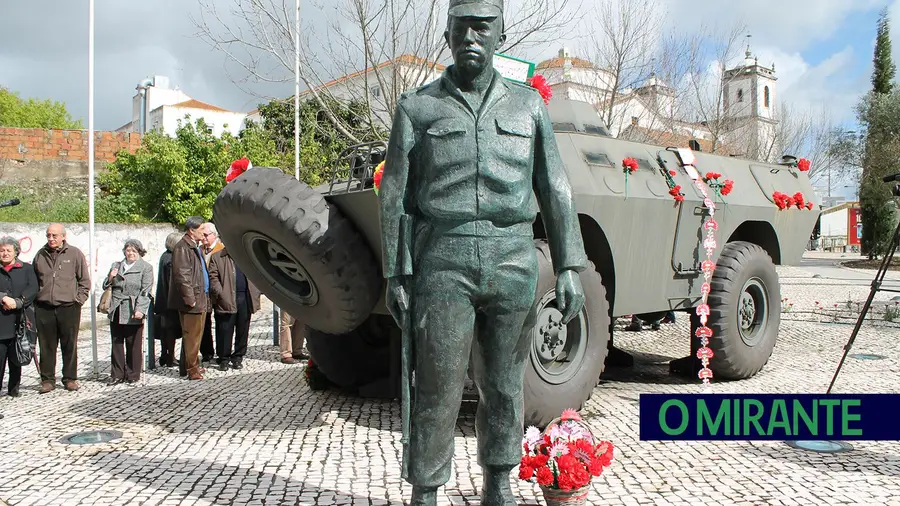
64	284
189	293
234	300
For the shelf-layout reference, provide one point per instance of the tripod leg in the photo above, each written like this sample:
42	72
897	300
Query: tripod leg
876	285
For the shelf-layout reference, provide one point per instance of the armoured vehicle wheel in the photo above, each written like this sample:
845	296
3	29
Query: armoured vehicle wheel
302	253
565	361
356	358
742	316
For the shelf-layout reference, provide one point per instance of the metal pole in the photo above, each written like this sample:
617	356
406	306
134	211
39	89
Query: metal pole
276	325
91	253
297	90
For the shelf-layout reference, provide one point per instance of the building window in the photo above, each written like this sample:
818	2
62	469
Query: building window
740	95
766	96
634	120
375	91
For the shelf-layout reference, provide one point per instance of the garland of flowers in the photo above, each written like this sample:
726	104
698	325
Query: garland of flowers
629	165
704	333
565	456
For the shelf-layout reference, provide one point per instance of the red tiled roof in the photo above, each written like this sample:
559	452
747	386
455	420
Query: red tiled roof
558	62
196	104
669	138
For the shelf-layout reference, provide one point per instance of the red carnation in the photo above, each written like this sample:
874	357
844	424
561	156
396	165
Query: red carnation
630	164
798	200
809	205
237	168
565	482
803	165
671	172
712	175
545	476
727	187
679	198
539	83
525	472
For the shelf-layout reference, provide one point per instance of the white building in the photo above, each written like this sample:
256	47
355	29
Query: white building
156	106
749	101
648	113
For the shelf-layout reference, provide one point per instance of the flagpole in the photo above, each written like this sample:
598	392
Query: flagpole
297	90
91	253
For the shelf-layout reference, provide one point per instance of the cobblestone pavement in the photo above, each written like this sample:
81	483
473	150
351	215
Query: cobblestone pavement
260	436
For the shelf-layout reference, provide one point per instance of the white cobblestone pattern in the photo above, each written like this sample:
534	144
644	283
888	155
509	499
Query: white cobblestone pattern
260	436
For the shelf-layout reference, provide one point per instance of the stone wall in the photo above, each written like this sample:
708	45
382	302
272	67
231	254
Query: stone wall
37	153
108	242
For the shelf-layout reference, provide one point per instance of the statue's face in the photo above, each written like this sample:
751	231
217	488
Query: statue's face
473	41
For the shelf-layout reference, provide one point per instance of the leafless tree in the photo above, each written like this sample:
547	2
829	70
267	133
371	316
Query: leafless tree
400	42
711	51
624	38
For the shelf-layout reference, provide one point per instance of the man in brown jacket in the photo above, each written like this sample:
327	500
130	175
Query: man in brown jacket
189	292
64	284
211	244
234	300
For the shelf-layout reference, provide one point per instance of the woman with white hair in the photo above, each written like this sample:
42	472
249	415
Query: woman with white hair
131	281
18	288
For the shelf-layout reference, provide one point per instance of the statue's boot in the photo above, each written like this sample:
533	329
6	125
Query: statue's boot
496	490
423	496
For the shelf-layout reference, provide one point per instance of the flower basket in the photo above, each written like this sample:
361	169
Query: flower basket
563	459
556	497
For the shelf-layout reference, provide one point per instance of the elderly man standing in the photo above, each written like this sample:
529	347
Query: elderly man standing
64	284
211	244
189	292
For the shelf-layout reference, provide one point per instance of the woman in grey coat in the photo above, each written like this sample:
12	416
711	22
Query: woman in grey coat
131	281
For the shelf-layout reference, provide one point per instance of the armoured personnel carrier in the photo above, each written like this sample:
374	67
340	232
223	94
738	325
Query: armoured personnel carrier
316	253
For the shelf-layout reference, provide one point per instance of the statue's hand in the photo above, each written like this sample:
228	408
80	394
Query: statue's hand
569	294
397	298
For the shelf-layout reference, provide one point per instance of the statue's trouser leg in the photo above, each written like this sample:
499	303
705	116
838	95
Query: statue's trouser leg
454	276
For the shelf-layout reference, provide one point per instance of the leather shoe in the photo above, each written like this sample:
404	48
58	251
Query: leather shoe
223	366
47	386
72	385
114	381
423	496
237	364
14	392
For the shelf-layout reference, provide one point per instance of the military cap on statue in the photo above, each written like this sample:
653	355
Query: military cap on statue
476	8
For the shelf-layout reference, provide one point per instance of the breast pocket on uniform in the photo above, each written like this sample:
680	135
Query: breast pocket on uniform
515	139
447	141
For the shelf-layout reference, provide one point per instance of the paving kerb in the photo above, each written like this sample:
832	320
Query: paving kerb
260	436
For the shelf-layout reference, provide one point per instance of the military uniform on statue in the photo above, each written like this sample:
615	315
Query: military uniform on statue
467	156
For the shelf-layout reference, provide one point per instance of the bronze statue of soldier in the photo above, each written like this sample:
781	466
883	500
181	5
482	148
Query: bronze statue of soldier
470	158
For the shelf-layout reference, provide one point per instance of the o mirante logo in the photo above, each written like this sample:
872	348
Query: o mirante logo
747	417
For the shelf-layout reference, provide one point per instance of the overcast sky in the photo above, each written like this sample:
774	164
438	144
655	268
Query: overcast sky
822	49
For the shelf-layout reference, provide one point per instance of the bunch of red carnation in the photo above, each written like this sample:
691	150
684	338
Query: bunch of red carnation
539	83
785	201
804	165
629	165
565	456
712	179
712	176
675	192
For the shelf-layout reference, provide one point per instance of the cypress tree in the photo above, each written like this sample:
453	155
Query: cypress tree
877	208
884	68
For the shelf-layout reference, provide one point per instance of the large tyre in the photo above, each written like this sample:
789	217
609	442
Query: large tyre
742	317
565	362
299	251
356	358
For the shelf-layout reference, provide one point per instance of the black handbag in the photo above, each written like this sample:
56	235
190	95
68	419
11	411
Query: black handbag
26	339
